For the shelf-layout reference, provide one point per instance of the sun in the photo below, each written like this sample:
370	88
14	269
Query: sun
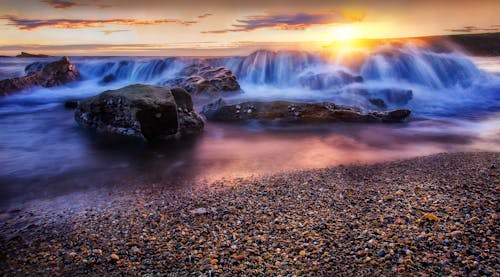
344	32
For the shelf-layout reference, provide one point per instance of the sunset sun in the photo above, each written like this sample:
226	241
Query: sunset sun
344	32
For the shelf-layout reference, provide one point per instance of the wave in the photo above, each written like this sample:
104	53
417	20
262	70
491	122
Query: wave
389	72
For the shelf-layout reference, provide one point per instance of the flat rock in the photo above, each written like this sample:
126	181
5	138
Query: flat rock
297	112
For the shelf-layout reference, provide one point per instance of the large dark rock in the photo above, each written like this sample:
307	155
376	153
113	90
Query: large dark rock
53	74
296	112
144	111
200	79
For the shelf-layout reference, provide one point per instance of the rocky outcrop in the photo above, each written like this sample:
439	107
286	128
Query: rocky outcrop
29	55
53	74
297	112
149	112
206	80
33	67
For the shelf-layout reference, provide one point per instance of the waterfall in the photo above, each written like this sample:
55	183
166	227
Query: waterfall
402	75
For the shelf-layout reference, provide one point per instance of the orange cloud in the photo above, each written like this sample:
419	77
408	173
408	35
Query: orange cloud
204	15
32	24
297	21
61	4
109	32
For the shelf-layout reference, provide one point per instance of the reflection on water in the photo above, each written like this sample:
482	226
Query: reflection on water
45	153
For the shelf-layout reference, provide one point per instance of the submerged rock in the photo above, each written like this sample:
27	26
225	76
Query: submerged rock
389	96
206	80
53	74
108	79
144	111
320	81
71	104
297	112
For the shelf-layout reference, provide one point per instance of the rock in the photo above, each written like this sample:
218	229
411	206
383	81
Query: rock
377	102
202	79
320	81
144	111
71	104
297	112
108	79
29	55
53	74
388	95
198	211
33	67
114	257
431	217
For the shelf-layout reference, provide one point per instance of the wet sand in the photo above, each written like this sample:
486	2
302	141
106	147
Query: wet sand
428	215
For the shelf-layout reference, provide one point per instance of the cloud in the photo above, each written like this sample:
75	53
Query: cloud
32	24
471	29
109	32
61	4
68	4
204	15
104	6
297	21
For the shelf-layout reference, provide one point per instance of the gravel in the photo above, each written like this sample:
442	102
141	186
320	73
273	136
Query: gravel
434	215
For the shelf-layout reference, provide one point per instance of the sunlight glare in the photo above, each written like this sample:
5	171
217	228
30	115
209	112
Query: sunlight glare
344	32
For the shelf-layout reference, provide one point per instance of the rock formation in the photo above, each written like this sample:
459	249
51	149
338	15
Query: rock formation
144	111
53	74
206	80
295	112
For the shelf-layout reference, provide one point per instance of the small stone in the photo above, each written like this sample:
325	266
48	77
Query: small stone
431	217
238	257
198	211
114	257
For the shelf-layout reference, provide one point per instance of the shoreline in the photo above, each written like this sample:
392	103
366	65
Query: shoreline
433	214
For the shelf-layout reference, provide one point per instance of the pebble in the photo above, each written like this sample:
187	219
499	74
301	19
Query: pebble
324	222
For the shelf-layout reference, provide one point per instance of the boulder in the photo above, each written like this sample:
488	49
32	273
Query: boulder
148	112
296	112
53	74
206	80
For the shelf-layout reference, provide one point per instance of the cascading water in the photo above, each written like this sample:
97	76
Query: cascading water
401	75
131	70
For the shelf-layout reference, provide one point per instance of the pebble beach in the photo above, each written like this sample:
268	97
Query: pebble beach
433	215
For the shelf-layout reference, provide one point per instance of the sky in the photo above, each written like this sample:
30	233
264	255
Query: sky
221	27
